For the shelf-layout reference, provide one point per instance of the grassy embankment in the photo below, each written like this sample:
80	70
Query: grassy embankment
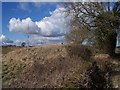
49	65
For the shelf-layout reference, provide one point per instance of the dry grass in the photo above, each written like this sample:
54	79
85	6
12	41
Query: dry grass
46	66
7	49
40	66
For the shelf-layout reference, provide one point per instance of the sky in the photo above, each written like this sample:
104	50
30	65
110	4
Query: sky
42	22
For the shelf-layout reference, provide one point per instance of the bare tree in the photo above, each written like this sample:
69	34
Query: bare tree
94	21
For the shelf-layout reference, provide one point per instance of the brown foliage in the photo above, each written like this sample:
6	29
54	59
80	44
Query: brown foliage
78	50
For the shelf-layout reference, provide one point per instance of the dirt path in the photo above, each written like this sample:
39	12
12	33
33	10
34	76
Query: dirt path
115	77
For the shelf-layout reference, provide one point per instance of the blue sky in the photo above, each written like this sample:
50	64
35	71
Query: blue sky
10	10
45	21
44	14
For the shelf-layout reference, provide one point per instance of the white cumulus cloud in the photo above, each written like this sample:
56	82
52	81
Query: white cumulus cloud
5	40
49	29
25	26
36	40
55	25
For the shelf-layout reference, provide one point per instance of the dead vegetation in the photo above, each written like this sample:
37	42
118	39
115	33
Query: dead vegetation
49	66
41	66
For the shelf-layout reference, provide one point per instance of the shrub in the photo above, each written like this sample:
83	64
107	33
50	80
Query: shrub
95	77
79	51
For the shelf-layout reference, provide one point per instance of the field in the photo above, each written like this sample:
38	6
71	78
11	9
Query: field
51	66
